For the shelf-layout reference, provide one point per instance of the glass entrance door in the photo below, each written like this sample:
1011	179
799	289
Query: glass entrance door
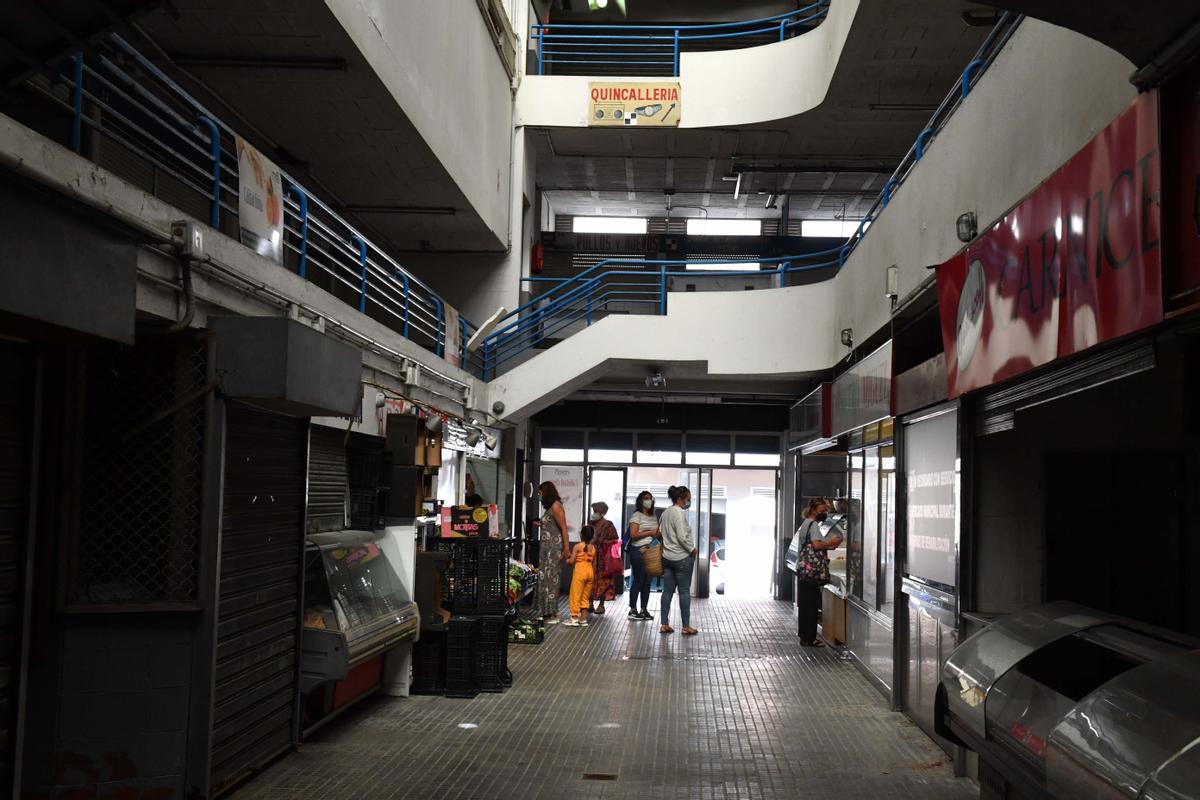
700	481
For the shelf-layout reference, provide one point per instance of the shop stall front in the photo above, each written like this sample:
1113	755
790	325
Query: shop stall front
861	417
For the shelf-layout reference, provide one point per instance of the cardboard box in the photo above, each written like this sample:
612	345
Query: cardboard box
833	616
463	521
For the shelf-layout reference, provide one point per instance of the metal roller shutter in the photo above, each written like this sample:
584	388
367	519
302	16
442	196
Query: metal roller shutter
15	425
996	409
327	480
258	612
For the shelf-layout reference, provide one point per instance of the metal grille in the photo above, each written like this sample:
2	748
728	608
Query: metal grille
138	536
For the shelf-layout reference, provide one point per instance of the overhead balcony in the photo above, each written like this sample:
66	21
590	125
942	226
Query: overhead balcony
737	73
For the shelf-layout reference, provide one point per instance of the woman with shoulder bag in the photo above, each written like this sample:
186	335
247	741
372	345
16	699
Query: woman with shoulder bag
812	568
643	533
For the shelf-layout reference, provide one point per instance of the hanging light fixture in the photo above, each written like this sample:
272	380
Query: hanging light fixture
433	423
473	437
490	441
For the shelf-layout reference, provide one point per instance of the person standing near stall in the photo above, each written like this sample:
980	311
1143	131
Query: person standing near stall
679	559
554	549
812	568
643	531
604	585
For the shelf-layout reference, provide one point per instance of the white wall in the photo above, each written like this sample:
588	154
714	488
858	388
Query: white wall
1047	94
734	87
438	61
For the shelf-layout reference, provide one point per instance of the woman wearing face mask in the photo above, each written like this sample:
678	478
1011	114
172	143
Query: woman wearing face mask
679	559
808	593
604	586
554	549
643	531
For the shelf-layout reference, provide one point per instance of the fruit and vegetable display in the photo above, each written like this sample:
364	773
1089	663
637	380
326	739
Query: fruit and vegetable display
526	631
521	579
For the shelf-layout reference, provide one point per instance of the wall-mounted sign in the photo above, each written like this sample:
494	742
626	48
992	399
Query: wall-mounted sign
863	394
931	470
260	202
1075	264
617	103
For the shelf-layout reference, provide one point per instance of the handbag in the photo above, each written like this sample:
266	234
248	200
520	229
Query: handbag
614	564
652	558
811	566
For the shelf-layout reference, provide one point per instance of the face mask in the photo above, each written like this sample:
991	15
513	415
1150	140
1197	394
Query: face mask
687	504
648	504
594	516
822	516
547	502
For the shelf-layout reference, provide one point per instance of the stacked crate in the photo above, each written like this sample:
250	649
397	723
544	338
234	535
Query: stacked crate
472	655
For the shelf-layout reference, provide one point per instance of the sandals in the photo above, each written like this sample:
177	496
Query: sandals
665	629
690	631
813	643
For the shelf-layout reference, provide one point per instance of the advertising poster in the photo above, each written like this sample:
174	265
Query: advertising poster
260	202
656	105
569	482
1076	263
453	337
932	474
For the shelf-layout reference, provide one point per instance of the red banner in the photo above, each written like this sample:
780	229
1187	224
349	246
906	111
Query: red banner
1075	264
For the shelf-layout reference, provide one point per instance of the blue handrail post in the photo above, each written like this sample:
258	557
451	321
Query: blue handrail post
675	69
888	188
589	311
439	344
362	286
487	358
662	291
782	28
302	201
541	32
462	342
77	102
968	73
921	139
214	150
405	286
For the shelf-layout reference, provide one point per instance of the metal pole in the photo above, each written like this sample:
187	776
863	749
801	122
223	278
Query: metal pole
541	67
662	291
675	71
302	200
362	260
404	285
782	28
214	150
77	102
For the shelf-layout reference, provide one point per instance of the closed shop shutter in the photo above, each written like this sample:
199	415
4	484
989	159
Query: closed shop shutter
996	408
258	612
327	480
15	425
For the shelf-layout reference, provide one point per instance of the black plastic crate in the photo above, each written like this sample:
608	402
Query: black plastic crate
364	509
429	664
476	580
492	654
462	641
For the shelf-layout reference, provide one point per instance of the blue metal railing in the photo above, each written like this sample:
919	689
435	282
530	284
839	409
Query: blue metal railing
578	300
131	117
654	49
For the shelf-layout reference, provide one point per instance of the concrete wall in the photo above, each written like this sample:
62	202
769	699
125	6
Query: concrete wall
735	87
1047	94
438	61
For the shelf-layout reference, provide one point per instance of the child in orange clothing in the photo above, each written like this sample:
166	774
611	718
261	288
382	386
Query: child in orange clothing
583	556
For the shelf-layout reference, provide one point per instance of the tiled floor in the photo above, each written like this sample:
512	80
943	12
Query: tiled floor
740	711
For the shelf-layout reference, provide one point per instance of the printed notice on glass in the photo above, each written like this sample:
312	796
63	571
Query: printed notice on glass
260	202
931	473
655	105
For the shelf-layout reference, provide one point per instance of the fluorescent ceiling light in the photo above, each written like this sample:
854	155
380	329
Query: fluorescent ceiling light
724	227
830	228
732	266
609	225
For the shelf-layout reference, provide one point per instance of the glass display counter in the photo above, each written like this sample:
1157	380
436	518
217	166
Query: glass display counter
354	598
